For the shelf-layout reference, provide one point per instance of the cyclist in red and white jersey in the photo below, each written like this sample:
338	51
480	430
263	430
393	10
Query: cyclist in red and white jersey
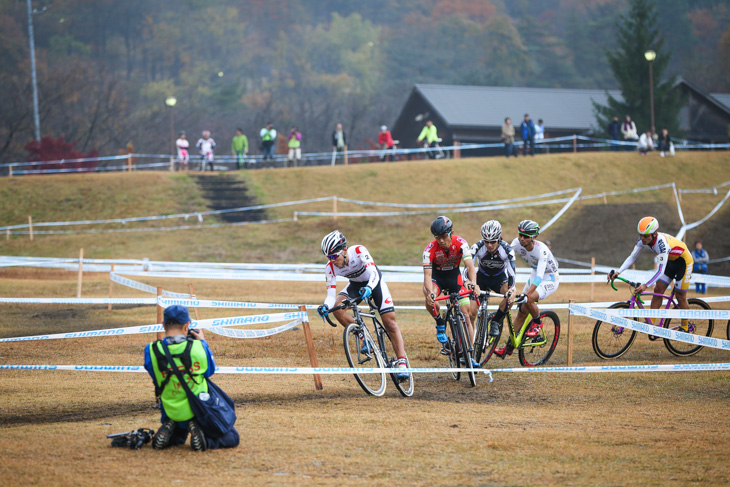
366	281
543	281
674	262
441	260
182	145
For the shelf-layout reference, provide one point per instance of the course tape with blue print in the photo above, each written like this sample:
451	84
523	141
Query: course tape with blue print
603	315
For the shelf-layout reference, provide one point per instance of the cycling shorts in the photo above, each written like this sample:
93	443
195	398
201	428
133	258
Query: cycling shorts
548	286
494	283
680	271
450	283
381	295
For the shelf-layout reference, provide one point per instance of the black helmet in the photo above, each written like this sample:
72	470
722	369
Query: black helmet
441	226
528	228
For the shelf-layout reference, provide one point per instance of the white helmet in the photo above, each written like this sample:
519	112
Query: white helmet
333	242
491	230
383	127
206	133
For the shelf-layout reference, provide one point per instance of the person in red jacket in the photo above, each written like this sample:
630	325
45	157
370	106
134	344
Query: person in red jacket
385	139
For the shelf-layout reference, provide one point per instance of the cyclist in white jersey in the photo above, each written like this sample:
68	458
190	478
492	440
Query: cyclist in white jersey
182	145
356	264
206	148
544	279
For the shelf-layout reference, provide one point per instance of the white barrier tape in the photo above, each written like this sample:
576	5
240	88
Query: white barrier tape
679	208
627	191
136	330
208	303
80	300
237	333
416	370
716	261
712	190
691	314
562	210
143	287
650	329
684	228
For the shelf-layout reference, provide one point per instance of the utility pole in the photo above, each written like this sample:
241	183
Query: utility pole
31	41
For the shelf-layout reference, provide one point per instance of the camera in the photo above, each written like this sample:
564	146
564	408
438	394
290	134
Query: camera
133	439
191	335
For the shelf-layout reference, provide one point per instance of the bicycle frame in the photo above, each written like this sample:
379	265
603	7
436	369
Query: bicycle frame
636	301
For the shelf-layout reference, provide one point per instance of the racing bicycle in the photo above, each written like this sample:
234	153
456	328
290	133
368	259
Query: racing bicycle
366	349
532	351
458	348
611	341
435	152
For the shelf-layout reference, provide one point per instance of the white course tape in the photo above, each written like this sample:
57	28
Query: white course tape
237	333
143	287
684	228
562	210
204	324
80	300
690	314
207	303
679	336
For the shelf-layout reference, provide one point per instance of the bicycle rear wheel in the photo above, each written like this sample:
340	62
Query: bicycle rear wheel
609	340
463	345
537	350
482	335
404	386
696	326
490	345
364	354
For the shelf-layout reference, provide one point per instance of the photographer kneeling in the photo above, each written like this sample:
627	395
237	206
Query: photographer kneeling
192	357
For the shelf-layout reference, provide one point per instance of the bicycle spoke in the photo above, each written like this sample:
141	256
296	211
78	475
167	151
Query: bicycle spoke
362	353
695	326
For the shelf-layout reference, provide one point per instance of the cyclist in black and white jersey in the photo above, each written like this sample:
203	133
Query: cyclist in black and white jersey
495	270
366	281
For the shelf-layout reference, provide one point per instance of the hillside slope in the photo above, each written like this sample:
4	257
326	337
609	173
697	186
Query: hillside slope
588	228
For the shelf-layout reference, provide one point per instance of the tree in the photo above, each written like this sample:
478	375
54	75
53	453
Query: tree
50	149
637	33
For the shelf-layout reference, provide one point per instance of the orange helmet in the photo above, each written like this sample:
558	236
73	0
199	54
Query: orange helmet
648	225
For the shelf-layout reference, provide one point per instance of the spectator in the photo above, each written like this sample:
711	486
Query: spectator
646	143
539	132
268	139
628	129
191	350
508	137
614	133
701	258
239	148
182	145
528	135
339	141
206	148
430	135
387	144
295	147
665	144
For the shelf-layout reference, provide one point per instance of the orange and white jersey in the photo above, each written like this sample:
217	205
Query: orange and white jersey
666	247
359	267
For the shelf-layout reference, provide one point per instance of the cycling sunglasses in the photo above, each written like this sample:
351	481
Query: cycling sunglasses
333	256
526	236
491	241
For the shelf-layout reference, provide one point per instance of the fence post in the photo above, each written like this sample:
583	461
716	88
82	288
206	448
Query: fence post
7	234
160	335
605	201
111	290
570	334
192	293
593	273
457	149
575	144
334	207
10	171
346	161
129	162
30	227
310	347
81	269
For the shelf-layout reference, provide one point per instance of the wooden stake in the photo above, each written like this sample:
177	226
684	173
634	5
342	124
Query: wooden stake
192	293
111	290
593	273
10	171
310	348
346	162
30	226
160	335
81	268
334	207
7	234
605	201
129	162
570	335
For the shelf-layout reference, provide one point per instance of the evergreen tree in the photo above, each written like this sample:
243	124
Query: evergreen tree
637	33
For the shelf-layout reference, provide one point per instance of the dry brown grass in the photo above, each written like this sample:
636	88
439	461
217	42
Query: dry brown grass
602	429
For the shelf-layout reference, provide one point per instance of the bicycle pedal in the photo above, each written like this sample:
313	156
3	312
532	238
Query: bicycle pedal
367	358
444	350
653	337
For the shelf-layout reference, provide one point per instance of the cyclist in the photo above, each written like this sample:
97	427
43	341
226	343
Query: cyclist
356	264
182	145
496	270
674	262
543	281
206	148
441	259
430	134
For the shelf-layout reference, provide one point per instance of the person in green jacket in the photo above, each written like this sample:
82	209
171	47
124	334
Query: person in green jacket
430	135
239	148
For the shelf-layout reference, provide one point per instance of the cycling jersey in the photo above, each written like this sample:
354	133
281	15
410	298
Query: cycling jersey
361	271
206	146
429	133
501	262
540	259
445	262
182	149
667	249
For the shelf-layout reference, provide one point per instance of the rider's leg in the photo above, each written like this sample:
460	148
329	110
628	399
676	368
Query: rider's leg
530	307
659	288
473	308
394	332
341	315
681	296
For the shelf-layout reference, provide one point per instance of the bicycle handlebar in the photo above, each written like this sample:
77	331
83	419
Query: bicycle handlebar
630	283
346	304
455	295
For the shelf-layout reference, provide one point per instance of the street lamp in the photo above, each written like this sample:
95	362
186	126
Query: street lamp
171	101
651	56
31	41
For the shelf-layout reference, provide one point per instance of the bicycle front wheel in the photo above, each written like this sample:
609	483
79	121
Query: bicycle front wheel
405	385
537	351
490	345
609	340
463	346
696	326
482	335
452	352
362	353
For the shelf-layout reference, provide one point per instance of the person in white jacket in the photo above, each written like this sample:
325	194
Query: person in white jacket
628	130
646	143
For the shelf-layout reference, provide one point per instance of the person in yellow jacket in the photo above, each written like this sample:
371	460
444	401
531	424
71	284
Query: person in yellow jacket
295	147
430	135
194	359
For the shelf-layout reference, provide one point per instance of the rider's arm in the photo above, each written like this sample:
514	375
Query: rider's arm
631	258
331	280
427	282
509	265
541	265
423	134
367	261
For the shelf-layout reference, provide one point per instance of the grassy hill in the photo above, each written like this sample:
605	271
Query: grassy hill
588	228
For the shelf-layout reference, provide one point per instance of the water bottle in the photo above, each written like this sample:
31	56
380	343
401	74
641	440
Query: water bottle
204	396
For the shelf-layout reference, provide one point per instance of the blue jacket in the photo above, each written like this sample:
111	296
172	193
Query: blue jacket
528	130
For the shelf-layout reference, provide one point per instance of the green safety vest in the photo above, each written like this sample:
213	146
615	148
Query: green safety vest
173	396
267	135
294	142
